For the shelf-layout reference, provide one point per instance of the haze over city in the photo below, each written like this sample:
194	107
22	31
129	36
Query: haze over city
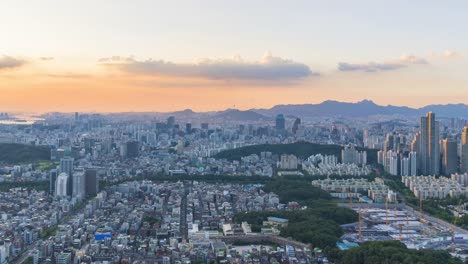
111	56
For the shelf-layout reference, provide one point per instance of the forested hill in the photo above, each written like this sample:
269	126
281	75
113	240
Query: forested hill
300	149
18	153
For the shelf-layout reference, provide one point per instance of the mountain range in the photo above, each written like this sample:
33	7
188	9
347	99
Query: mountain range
329	108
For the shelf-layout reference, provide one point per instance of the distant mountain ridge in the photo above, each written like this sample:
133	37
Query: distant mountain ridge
329	108
362	109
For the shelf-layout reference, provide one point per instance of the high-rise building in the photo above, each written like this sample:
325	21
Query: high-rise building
204	126
288	162
170	122
280	122
66	166
464	151
429	150
52	178
296	125
405	167
132	149
413	159
350	155
61	185
449	156
91	182
188	128
78	184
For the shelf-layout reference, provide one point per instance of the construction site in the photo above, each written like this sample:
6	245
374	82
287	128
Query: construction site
378	222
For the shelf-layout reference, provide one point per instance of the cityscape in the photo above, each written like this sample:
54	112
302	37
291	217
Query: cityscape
152	132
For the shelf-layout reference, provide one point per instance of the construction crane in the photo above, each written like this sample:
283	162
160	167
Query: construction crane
407	225
386	210
401	230
420	210
360	225
455	221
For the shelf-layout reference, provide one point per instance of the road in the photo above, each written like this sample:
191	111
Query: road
432	219
183	213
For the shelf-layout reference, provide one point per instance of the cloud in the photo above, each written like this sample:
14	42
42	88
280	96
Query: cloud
8	62
446	54
399	63
269	68
68	75
46	58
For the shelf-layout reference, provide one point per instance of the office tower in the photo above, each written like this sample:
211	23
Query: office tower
52	178
78	179
413	159
76	116
66	166
132	149
464	151
188	128
61	185
91	182
296	125
170	122
280	122
449	156
204	126
429	151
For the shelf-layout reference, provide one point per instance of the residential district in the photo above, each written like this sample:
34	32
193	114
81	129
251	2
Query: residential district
103	202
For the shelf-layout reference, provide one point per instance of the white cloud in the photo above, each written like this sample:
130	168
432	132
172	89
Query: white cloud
269	68
402	62
8	62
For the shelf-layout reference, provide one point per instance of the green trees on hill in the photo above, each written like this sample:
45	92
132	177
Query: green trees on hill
301	149
390	252
317	225
18	153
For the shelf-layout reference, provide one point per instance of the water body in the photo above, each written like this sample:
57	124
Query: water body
21	119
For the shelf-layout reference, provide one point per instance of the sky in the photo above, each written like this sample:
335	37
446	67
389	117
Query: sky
113	56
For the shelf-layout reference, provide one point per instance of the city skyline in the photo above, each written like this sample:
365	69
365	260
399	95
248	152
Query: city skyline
155	56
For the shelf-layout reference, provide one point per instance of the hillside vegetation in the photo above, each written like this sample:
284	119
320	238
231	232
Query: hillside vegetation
19	153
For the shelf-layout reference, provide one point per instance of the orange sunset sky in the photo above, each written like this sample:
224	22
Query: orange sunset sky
112	56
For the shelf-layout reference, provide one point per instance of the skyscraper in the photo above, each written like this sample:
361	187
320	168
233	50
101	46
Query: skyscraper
66	166
464	151
132	149
429	150
413	156
52	178
449	156
61	185
170	122
280	122
78	184
188	128
91	182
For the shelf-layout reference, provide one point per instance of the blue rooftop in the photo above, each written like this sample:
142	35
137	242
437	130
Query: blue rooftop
277	219
347	245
